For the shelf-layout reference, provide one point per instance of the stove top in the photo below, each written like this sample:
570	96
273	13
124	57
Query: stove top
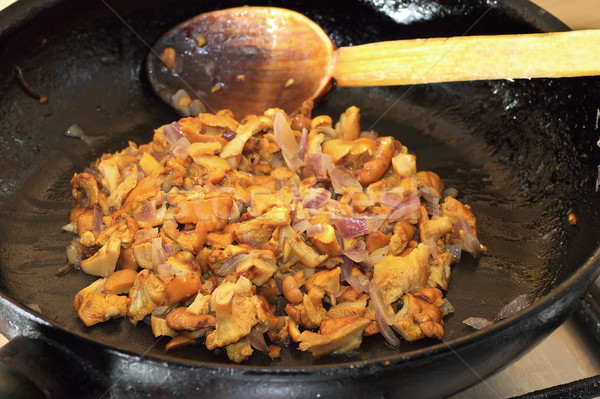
570	354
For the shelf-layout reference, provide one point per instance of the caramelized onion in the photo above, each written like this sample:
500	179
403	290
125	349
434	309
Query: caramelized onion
359	283
303	144
345	269
256	339
158	252
378	304
164	269
180	148
97	225
316	164
231	264
342	178
147	212
301	226
404	208
356	226
314	229
144	235
171	132
284	137
478	323
75	252
316	197
355	254
516	305
455	249
386	330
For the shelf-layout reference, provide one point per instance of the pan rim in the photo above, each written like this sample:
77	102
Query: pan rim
23	10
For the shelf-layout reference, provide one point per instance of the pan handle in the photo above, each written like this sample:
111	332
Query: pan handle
15	385
39	368
16	372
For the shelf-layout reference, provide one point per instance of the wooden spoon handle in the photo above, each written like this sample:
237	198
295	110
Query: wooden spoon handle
560	54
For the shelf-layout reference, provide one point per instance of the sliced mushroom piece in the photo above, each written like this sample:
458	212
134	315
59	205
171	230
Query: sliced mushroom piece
103	262
341	335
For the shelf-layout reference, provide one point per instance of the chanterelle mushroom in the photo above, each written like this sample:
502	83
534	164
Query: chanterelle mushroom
336	336
103	262
420	315
253	233
397	275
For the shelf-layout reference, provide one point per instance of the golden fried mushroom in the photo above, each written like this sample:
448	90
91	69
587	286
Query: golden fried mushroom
208	227
420	315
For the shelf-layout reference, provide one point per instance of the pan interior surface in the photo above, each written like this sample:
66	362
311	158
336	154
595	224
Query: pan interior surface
519	153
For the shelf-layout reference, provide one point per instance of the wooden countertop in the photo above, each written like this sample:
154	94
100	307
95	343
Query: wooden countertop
578	14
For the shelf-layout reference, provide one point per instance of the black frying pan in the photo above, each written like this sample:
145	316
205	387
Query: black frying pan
522	153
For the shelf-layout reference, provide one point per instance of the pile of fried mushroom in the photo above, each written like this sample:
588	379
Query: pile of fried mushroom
205	229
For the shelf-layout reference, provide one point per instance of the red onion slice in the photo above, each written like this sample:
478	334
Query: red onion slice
351	227
301	226
462	224
406	207
435	212
316	164
147	212
391	199
386	330
478	323
144	235
171	249
158	252
284	137
355	254
432	246
455	249
172	133
378	304
516	305
302	146
180	148
316	197
256	339
446	307
345	269
161	311
471	244
314	230
97	225
342	178
75	252
373	259
430	195
357	226
165	269
231	264
359	283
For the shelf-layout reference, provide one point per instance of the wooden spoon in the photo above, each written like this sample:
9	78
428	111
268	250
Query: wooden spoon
248	59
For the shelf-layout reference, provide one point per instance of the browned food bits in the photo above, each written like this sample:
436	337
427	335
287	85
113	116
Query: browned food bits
200	40
168	56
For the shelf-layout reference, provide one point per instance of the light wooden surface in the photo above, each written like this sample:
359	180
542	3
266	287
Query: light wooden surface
578	14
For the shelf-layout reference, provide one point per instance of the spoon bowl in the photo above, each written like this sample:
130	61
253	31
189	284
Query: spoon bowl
245	59
248	59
